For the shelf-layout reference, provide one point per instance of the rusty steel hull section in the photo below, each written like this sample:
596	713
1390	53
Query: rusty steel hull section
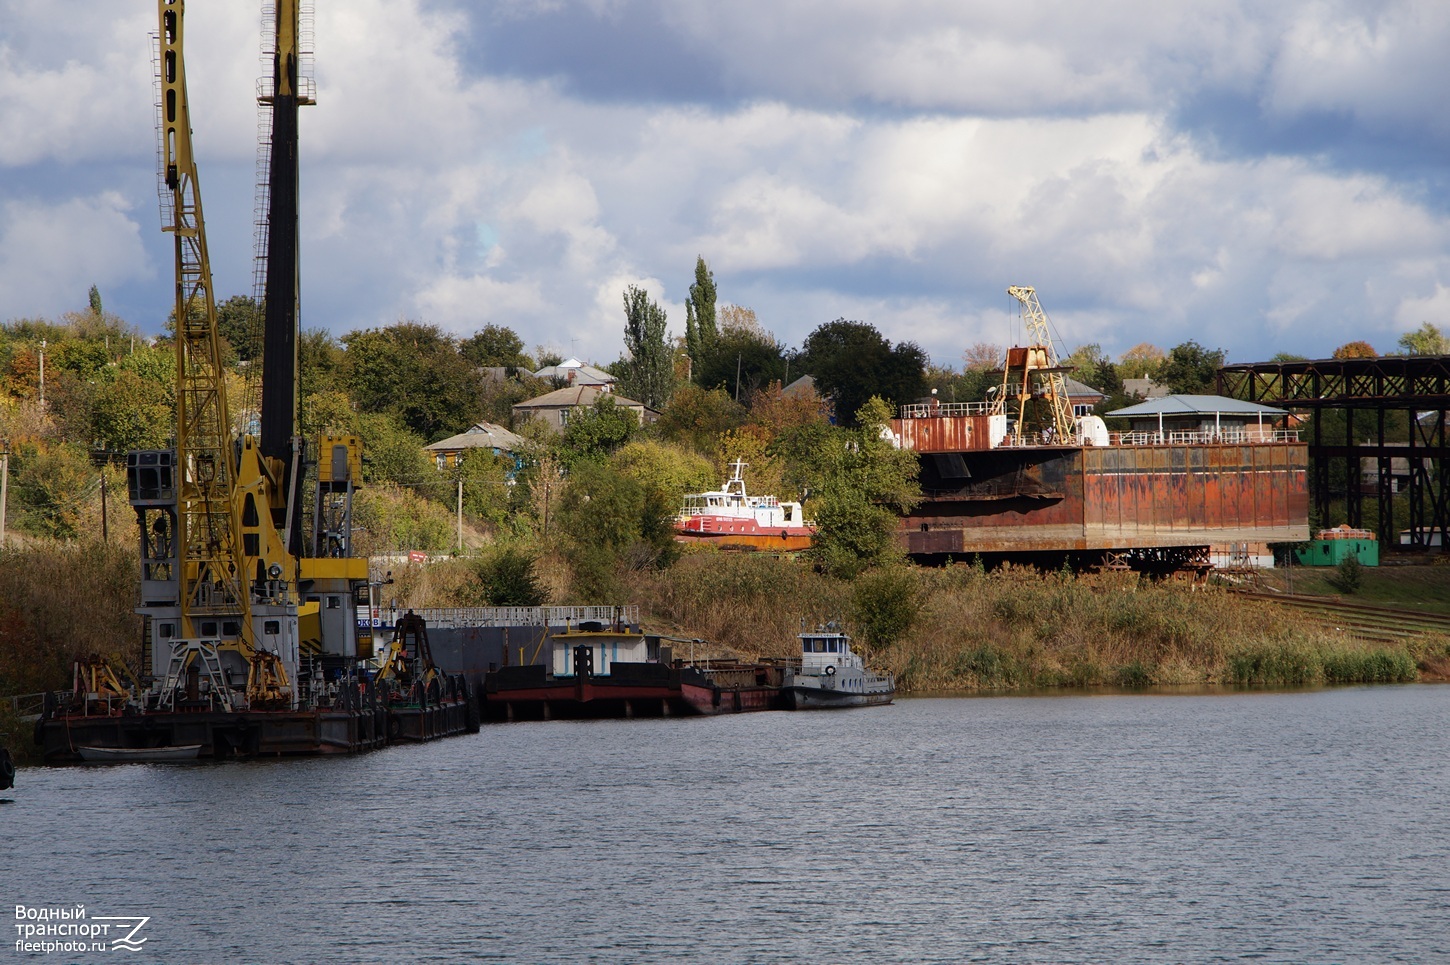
1056	499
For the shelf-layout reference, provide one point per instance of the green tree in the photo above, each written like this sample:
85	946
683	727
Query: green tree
1356	350
330	412
649	370
701	331
96	302
696	417
1092	367
413	371
610	524
495	345
388	518
497	397
131	412
885	602
594	433
154	365
1191	369
742	361
865	486
1142	361
52	486
485	477
391	453
507	577
239	321
852	362
1425	340
84	357
668	471
967	386
319	361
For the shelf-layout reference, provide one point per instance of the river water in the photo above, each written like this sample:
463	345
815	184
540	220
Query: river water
1275	826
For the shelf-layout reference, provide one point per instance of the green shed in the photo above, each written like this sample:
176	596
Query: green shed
1335	550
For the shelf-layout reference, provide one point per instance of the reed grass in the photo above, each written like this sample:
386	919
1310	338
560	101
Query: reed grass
1015	629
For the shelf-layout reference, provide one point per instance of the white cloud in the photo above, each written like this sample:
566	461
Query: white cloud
1021	143
1384	63
50	251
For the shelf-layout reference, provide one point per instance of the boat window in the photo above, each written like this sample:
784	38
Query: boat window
820	646
835	646
805	646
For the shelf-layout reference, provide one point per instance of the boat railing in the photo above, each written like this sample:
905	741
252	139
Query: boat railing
1200	437
30	707
932	410
526	616
1196	437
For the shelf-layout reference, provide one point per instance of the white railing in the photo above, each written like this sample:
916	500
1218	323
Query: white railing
929	410
521	616
1204	437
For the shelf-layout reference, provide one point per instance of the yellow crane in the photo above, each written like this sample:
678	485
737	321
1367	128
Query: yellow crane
210	581
1033	376
221	517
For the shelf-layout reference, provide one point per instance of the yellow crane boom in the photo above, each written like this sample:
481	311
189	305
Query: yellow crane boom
210	580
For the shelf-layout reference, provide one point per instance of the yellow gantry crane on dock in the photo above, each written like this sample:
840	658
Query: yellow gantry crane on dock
224	571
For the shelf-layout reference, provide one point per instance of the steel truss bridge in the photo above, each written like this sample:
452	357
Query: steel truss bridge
1417	385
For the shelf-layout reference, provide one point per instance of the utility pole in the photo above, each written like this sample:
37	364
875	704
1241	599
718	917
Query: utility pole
42	373
105	524
4	490
460	514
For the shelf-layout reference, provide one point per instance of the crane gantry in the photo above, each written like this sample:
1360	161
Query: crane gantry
1033	374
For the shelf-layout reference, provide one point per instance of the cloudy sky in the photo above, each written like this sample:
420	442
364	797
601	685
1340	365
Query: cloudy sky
1261	177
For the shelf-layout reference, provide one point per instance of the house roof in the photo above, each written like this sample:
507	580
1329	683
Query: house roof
1080	390
1145	388
1170	405
800	385
575	371
484	435
576	395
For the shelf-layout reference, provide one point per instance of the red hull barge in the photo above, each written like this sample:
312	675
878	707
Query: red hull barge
631	690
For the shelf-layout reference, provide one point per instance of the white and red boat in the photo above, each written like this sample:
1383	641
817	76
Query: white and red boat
729	516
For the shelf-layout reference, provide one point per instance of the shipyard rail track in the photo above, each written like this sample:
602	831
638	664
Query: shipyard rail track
1375	623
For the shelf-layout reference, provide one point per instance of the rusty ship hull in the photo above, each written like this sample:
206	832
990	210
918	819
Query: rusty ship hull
1156	499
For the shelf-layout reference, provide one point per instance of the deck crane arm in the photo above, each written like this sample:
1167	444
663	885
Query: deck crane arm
1040	365
210	578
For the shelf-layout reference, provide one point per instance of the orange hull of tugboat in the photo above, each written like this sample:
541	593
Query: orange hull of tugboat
737	536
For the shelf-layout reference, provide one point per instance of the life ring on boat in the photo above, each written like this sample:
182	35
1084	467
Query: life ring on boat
830	671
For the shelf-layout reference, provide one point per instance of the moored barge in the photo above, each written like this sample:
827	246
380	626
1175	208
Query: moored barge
601	670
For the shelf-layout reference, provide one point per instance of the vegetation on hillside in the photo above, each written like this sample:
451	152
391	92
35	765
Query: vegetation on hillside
582	515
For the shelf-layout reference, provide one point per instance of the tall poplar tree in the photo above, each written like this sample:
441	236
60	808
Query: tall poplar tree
701	331
649	371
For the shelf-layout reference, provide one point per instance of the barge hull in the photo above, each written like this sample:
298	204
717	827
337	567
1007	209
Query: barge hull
219	734
1056	499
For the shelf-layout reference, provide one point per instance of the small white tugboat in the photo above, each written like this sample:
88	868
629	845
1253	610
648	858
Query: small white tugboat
729	516
831	674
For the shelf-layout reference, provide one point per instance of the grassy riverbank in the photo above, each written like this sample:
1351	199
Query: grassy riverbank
964	629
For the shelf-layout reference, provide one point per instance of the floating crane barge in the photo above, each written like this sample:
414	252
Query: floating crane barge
251	639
